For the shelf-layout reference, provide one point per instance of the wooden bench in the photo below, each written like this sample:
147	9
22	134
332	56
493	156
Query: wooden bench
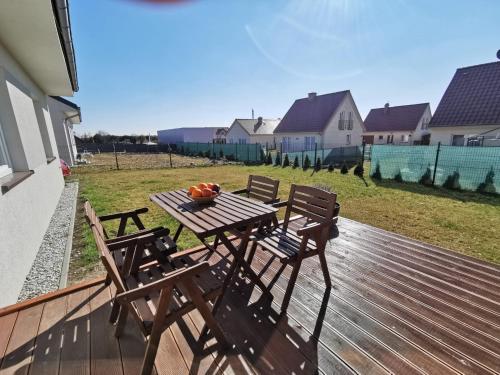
157	295
292	246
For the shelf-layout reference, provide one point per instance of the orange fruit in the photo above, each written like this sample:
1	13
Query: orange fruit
197	193
202	186
210	185
192	188
207	192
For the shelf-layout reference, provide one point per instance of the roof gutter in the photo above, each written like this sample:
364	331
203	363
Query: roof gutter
63	24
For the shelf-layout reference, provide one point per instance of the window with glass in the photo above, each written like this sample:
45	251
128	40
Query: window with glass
4	157
348	139
404	138
310	143
341	120
380	137
349	121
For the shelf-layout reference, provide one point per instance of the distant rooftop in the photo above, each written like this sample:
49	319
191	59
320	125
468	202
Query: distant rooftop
472	98
403	117
258	126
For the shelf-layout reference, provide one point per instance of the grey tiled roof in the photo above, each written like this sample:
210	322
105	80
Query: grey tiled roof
306	115
472	98
403	117
266	127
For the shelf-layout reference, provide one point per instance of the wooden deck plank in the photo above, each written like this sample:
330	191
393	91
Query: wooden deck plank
75	352
20	348
105	351
6	327
47	352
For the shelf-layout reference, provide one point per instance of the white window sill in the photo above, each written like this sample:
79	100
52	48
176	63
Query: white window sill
4	170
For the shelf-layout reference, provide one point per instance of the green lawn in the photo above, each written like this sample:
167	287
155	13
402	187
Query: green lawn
462	221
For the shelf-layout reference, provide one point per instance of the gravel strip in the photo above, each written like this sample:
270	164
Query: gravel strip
46	271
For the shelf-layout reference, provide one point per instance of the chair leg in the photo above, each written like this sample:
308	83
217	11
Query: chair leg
291	285
108	280
122	320
251	254
150	355
216	242
324	268
115	310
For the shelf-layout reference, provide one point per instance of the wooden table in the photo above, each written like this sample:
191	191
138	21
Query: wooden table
227	213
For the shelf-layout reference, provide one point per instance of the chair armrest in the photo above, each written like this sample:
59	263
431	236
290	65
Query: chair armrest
170	279
241	191
280	204
137	234
313	228
143	239
119	215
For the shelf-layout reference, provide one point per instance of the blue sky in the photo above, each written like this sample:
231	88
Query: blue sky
147	67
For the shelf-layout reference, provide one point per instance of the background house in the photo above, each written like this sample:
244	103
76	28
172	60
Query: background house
404	124
330	120
64	114
195	134
36	60
245	131
469	111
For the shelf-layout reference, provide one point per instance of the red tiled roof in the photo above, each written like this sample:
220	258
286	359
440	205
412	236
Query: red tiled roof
311	115
472	98
403	117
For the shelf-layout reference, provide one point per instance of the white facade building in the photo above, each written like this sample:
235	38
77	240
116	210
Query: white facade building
64	115
192	134
33	65
246	131
329	120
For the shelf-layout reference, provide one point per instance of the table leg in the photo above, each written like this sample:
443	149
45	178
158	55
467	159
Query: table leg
178	232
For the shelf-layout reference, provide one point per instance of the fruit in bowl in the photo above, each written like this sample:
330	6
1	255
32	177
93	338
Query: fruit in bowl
204	192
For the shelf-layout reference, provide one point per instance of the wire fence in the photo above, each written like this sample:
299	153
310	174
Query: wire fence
253	153
460	168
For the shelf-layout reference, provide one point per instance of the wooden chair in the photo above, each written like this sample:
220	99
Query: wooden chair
160	246
261	188
159	294
292	247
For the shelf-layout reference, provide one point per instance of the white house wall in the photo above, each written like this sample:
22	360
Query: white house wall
237	134
445	134
25	210
333	137
63	132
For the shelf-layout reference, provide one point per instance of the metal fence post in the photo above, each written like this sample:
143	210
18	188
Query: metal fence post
315	152
436	163
302	159
363	155
235	151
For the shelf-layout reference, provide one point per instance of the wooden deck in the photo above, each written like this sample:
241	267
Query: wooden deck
397	305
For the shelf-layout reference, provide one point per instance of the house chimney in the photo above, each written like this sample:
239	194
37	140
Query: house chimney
311	96
386	108
259	123
498	54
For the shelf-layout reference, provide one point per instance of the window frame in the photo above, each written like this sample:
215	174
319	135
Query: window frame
5	162
348	139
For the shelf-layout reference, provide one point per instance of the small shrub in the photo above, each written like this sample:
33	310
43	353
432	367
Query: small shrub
344	169
277	161
376	174
207	154
317	166
453	181
230	157
426	178
307	163
398	177
330	167
286	161
359	170
262	155
182	150
488	186
295	162
200	154
269	159
221	153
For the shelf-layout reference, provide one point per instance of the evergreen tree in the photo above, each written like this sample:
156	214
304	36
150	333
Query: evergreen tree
377	175
269	159
262	155
317	166
426	178
344	169
307	163
286	161
453	181
488	186
295	162
277	161
330	167
359	170
398	177
221	153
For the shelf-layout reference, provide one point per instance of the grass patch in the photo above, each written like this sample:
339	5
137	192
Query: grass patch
461	221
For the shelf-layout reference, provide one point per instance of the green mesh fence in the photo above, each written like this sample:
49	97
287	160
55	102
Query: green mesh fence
336	156
232	151
467	168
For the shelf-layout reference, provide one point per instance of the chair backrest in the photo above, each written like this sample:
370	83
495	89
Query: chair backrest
93	219
315	204
262	188
108	261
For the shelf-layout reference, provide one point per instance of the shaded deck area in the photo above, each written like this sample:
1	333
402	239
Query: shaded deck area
396	305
